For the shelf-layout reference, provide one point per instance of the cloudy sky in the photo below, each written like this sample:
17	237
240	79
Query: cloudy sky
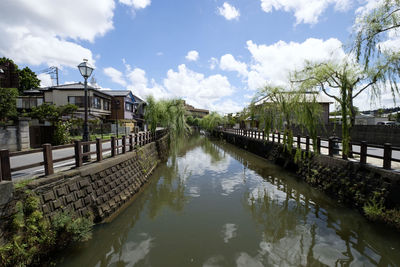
214	54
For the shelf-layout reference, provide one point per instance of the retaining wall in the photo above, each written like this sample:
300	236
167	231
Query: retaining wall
347	181
100	189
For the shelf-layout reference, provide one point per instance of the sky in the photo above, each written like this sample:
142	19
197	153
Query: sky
213	54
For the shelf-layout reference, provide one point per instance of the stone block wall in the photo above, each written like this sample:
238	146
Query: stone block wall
100	189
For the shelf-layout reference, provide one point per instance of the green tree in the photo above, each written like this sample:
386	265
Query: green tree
278	108
372	28
211	121
8	98
53	114
349	80
27	80
167	113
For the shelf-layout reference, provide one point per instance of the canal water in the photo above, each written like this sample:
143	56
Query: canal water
213	204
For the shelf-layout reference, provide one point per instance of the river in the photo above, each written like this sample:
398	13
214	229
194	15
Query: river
213	204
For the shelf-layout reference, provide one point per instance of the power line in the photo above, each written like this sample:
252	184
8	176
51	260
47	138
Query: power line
53	72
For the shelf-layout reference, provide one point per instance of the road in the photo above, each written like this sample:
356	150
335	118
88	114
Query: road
18	161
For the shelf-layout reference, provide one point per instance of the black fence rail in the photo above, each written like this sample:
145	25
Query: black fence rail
81	152
332	144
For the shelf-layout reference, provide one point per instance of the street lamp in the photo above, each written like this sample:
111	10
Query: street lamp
85	70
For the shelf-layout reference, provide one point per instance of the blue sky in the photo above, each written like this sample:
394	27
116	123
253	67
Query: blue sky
212	53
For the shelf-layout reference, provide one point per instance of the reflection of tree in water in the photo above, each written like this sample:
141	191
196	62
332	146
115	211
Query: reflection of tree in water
213	150
280	218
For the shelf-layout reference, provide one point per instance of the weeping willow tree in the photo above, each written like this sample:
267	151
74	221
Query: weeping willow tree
343	81
278	108
169	114
376	30
211	121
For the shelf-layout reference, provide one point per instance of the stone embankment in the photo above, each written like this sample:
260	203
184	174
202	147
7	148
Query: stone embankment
347	181
99	189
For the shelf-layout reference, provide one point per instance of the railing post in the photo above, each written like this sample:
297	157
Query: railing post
387	156
78	153
123	144
279	137
318	144
298	141
263	135
259	134
99	150
307	143
273	137
48	159
330	147
112	146
5	165
363	152
130	142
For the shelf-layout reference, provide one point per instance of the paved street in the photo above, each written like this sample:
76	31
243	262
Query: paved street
37	157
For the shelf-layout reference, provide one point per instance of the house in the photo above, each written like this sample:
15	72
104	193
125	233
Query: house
31	98
195	112
99	105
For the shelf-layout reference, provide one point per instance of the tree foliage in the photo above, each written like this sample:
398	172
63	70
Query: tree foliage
27	80
8	98
211	121
372	27
51	112
348	79
279	108
167	113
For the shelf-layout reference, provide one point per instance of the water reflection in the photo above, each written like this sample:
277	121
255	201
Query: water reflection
212	204
297	231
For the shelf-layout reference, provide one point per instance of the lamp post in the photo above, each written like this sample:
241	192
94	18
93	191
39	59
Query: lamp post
86	70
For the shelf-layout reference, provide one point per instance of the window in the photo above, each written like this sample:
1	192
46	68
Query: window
77	100
106	105
128	107
96	102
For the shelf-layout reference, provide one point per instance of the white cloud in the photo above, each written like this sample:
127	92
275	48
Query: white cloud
271	64
305	11
229	12
160	54
213	63
45	80
115	75
192	55
202	91
229	63
44	31
140	85
136	4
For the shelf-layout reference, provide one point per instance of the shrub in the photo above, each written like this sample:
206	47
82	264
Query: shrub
33	237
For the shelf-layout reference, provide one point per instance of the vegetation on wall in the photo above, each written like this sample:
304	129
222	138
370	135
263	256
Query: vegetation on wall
34	237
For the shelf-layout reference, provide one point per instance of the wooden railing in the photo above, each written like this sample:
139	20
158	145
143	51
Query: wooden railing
81	152
332	145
